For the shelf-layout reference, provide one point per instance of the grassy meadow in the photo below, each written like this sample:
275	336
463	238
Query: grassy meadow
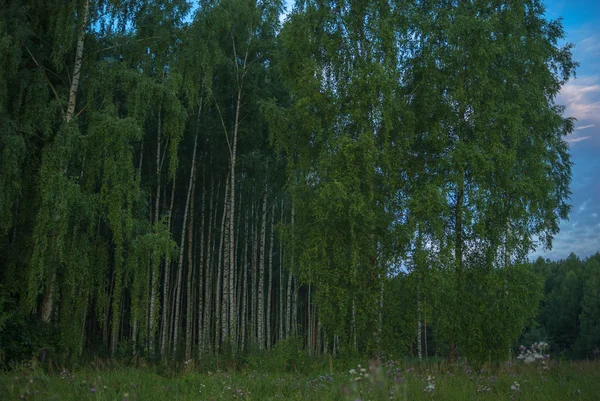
261	379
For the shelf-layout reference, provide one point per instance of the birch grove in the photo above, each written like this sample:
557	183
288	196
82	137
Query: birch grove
181	181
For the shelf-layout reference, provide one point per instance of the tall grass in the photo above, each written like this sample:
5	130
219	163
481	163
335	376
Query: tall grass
290	376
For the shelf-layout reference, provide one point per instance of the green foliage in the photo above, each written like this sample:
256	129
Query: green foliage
418	145
568	315
494	308
27	338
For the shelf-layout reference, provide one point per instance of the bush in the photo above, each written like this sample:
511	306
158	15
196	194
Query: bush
24	338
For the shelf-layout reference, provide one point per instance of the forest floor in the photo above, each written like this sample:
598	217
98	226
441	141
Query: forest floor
371	381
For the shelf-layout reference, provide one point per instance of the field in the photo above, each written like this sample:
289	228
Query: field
259	379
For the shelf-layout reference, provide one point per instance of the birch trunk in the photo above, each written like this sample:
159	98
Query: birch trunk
48	298
244	292
188	309
270	289
167	276
226	266
295	309
218	292
78	63
425	326
208	285
254	282
182	242
232	306
261	266
380	320
154	278
289	286
201	271
237	284
419	339
281	315
309	323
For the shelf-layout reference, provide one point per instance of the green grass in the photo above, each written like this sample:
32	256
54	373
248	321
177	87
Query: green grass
388	381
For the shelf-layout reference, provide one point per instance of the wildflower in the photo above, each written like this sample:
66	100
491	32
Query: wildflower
430	384
352	372
93	390
515	387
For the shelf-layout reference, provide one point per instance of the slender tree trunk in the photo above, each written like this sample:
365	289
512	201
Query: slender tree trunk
165	309
261	273
380	320
354	337
182	243
295	308
244	293
188	309
309	322
156	266
201	269
458	252
254	283
281	315
289	286
48	298
219	292
270	288
166	323
237	284
232	305
425	326
78	63
226	266
208	285
419	339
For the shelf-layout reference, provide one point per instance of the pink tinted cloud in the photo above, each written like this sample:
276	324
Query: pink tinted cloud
575	140
582	99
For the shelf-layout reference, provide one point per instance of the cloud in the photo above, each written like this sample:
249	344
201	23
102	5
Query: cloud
589	44
583	207
585	127
575	140
595	215
581	97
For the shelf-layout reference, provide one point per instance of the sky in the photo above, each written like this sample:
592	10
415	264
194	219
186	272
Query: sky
580	234
581	97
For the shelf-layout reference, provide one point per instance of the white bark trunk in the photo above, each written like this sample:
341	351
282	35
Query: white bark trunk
281	315
201	271
182	242
188	309
232	305
244	293
48	299
218	290
155	270
167	276
261	266
208	285
289	286
78	63
271	270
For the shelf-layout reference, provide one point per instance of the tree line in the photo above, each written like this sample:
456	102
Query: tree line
179	179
